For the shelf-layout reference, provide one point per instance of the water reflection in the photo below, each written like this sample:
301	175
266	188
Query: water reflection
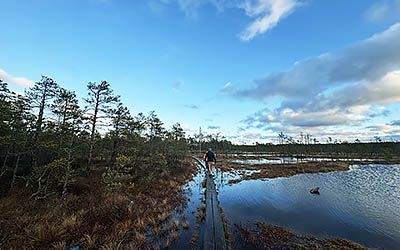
294	160
361	205
195	196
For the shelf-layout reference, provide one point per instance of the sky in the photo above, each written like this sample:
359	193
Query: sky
248	69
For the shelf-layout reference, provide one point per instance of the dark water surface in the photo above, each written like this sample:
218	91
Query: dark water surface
362	205
195	199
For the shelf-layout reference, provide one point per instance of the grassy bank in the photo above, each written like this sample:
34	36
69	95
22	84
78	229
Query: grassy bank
265	236
260	171
93	217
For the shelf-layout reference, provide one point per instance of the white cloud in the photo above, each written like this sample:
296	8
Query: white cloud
383	128
268	13
368	60
265	14
349	87
227	86
381	91
186	127
346	106
384	11
17	80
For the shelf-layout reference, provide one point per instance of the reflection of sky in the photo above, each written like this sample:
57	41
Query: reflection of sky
194	192
362	204
294	160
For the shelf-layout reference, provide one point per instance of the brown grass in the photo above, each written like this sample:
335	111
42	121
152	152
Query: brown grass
273	237
92	217
186	225
283	170
201	214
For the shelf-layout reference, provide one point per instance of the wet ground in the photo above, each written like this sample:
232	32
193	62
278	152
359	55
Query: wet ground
361	205
190	238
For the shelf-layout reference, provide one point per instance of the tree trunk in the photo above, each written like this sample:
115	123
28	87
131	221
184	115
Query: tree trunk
40	117
4	165
93	131
15	171
113	153
64	118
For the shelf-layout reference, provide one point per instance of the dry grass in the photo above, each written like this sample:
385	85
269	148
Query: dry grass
186	225
201	214
92	217
175	224
273	237
283	170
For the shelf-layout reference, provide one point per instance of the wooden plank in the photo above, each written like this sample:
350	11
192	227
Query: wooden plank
214	236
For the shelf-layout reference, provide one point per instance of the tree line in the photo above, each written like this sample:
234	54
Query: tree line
387	151
47	138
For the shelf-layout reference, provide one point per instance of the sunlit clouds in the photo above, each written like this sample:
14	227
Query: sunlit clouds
264	15
17	80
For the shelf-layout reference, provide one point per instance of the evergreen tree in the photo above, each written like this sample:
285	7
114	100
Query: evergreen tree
67	111
155	126
40	95
99	103
121	120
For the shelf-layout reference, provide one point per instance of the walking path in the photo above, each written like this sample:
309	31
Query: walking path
214	236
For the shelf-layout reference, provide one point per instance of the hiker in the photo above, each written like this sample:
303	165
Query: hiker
210	159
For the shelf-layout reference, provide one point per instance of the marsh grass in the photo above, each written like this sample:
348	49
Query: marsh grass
94	218
186	225
201	214
266	236
282	170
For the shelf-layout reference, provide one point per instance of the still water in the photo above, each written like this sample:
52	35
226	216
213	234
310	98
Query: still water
362	205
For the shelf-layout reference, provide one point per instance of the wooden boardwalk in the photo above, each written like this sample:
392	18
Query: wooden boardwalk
214	236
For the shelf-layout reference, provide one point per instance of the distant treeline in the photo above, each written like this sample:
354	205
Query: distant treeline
379	149
383	150
47	138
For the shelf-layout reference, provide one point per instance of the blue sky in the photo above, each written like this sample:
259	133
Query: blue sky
246	68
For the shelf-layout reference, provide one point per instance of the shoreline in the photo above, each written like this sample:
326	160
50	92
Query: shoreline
255	171
266	236
270	171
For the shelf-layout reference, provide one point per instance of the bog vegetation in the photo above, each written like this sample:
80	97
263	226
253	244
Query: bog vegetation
86	172
47	138
71	170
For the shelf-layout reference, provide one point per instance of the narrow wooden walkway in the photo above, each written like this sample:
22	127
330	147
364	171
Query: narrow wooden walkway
214	236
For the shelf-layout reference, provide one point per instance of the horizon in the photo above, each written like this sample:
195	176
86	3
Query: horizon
247	69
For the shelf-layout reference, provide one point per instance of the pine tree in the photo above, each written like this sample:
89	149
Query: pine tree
40	95
22	124
156	130
67	111
121	119
99	103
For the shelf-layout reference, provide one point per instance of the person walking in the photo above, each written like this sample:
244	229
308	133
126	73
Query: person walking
210	159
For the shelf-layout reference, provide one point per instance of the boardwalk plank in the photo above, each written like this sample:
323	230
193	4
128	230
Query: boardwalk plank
214	236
